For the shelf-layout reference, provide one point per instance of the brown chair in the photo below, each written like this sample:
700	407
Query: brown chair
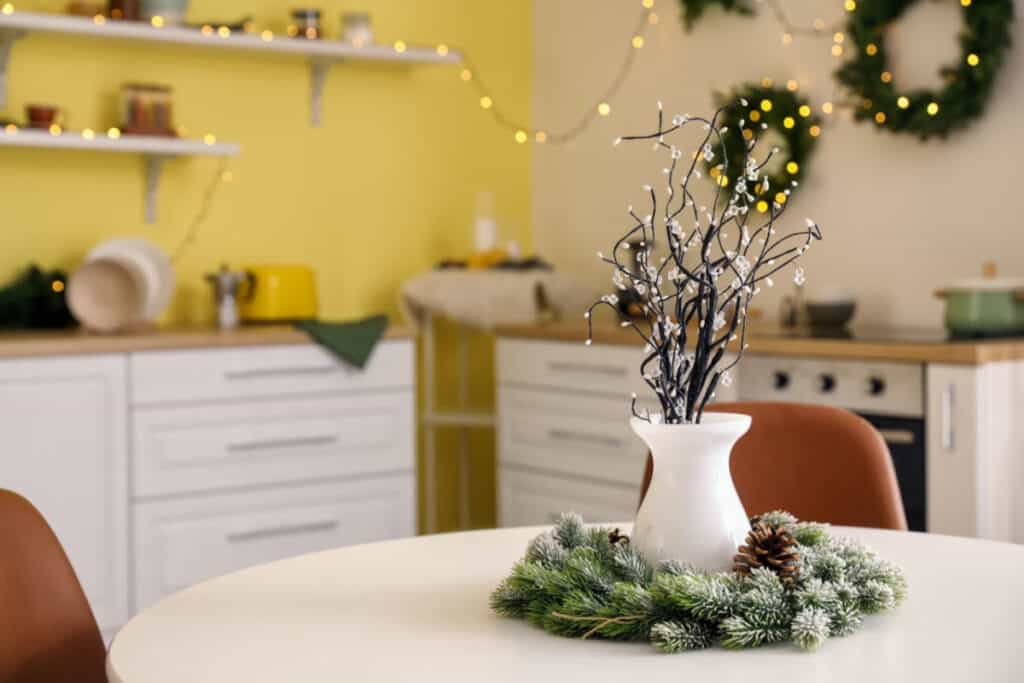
47	630
820	463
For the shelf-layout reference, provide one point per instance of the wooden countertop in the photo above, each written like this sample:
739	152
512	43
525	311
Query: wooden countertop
777	342
79	342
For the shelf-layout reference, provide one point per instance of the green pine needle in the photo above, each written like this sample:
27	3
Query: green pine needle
678	636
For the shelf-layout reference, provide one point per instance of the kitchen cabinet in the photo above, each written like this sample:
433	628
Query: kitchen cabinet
162	468
64	422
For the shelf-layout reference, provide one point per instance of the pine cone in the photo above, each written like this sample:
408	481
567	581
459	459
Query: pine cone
771	547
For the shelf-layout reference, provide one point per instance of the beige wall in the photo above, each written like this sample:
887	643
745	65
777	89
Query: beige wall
900	217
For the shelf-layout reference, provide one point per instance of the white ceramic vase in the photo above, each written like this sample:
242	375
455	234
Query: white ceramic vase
692	513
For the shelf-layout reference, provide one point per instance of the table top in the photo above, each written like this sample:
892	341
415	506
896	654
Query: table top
416	610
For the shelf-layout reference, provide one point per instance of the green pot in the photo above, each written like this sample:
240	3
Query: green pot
985	307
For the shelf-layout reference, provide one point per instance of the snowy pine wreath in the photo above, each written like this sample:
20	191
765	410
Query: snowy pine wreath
584	582
969	83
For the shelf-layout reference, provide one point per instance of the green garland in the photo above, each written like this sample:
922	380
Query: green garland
584	582
768	108
969	83
694	9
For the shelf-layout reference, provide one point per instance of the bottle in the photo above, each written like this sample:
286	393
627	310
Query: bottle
486	252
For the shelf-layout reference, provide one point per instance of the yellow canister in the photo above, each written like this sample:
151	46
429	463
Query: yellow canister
275	293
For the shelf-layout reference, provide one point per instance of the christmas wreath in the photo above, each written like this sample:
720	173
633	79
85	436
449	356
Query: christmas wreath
792	582
969	83
693	9
767	108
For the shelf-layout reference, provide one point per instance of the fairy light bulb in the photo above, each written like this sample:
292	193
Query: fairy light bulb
206	30
767	82
804	110
788	122
99	20
965	3
399	46
157	21
466	75
850	5
541	137
11	129
267	36
871	49
653	19
766	105
787	38
933	107
780	198
486	102
55	129
648	4
88	134
224	32
880	117
114	133
604	109
837	50
815	131
903	102
792	168
638	42
442	50
8	8
755	115
210	139
973	59
827	107
762	206
521	137
792	85
886	77
838	37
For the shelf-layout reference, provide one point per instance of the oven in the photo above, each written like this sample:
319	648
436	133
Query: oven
889	395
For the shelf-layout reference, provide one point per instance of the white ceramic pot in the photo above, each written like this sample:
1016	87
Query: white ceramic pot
692	513
148	265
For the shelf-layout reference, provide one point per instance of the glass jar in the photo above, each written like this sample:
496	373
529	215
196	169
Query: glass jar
147	109
305	24
356	29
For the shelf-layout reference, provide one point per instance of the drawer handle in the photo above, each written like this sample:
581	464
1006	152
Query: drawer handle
262	373
292	530
566	435
898	437
298	442
562	366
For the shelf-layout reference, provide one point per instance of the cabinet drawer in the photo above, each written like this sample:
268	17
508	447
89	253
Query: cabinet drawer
605	369
181	542
286	370
575	435
183	449
527	498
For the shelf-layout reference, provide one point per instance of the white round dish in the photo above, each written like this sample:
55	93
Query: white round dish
148	265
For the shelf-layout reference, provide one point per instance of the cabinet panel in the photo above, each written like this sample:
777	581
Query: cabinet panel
603	369
527	498
182	542
183	449
63	422
242	373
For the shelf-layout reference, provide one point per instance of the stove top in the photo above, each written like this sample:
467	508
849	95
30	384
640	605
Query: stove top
887	335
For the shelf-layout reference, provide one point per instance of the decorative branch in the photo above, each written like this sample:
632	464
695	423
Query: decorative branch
697	298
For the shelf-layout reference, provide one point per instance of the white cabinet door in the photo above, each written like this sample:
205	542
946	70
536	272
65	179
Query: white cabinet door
182	541
63	425
527	498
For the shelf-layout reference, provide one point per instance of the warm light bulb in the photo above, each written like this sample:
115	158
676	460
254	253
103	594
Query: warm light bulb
903	102
157	21
206	30
837	50
792	85
604	109
748	134
267	36
886	77
442	50
787	38
210	139
8	8
521	136
767	82
815	131
486	102
541	137
762	206
788	122
766	105
223	31
871	49
88	134
850	5
638	42
792	168
10	129
804	110
648	4
399	46
965	3
723	181
880	117
652	18
755	115
55	129
99	20
780	197
827	107
838	37
819	24
57	286
114	133
466	75
933	108
973	59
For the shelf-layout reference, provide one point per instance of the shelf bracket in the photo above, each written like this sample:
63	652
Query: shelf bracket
317	79
7	39
154	166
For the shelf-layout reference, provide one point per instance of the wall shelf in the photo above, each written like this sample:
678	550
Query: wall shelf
321	54
154	150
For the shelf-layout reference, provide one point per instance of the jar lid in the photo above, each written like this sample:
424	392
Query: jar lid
305	13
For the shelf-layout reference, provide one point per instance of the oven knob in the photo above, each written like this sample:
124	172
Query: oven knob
876	386
826	383
781	380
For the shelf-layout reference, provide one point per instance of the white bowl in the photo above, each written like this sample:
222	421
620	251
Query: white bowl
104	296
149	266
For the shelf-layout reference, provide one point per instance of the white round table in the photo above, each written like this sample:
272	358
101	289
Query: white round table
416	610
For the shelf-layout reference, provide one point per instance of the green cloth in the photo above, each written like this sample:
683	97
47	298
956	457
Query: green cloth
351	341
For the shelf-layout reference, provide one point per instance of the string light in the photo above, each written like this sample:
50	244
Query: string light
541	137
57	286
11	129
837	50
206	30
8	8
223	31
788	122
815	131
157	21
442	50
767	82
762	206
210	139
653	18
399	46
88	134
792	85
827	108
466	75
787	38
880	117
804	110
933	107
55	129
903	102
973	59
850	5
114	133
755	115
886	77
604	109
267	36
486	102
766	105
647	4
521	136
871	49
792	168
99	20
838	37
638	42
965	3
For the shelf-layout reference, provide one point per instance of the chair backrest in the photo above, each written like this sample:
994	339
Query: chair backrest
47	629
820	463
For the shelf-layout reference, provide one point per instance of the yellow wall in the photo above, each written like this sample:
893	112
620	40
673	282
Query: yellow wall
381	192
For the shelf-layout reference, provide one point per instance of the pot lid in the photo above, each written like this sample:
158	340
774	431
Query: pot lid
986	284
